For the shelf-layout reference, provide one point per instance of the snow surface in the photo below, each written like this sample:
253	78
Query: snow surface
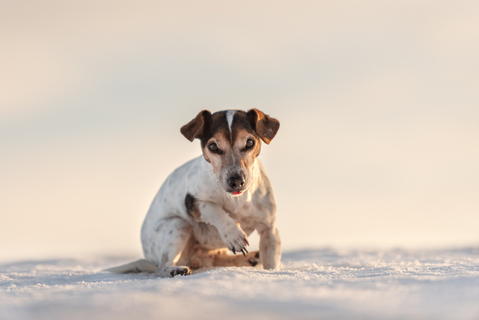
313	284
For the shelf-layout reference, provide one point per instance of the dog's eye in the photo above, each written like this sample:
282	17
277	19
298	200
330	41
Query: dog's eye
249	143
214	148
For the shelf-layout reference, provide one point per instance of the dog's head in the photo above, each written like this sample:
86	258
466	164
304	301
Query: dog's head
231	141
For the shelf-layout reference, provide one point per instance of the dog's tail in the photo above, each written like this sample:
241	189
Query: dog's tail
137	266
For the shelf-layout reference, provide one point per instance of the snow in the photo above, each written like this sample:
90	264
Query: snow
312	284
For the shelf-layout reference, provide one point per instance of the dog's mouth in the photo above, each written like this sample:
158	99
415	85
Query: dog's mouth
236	192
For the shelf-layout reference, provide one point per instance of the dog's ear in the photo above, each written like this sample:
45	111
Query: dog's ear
265	126
195	128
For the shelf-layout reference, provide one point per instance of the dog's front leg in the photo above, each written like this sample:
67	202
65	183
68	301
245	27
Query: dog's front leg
229	230
269	247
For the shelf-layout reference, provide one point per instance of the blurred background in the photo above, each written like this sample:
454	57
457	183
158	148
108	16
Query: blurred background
378	103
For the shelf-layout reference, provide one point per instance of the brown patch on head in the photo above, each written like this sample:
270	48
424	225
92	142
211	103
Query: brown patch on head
216	127
205	125
231	141
248	153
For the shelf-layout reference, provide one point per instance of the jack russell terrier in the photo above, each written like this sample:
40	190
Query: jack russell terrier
214	202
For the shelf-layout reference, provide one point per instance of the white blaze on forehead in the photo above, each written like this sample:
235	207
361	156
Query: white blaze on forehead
229	117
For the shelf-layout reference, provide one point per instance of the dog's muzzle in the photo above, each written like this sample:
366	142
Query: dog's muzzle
236	182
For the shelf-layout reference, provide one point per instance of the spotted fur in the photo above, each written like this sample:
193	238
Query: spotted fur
197	215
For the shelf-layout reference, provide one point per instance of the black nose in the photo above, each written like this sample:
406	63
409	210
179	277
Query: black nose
236	181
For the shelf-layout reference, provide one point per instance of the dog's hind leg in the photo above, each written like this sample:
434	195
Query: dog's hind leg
221	258
166	246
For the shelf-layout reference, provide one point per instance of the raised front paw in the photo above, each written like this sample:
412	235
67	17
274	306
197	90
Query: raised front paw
234	238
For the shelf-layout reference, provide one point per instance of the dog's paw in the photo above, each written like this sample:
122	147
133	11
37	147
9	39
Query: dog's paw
234	238
179	271
170	272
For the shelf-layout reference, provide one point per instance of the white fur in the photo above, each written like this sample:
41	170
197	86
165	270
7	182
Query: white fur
203	185
223	221
230	114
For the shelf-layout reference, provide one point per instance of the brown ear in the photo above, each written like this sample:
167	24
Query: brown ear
265	126
195	128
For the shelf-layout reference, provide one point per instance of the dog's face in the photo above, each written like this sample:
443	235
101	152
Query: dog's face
231	141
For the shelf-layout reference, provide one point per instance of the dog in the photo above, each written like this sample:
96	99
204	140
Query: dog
211	204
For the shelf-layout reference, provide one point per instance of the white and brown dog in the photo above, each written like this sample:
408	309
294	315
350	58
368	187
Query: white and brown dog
214	202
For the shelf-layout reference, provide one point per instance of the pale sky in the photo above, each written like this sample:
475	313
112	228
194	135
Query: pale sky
378	103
